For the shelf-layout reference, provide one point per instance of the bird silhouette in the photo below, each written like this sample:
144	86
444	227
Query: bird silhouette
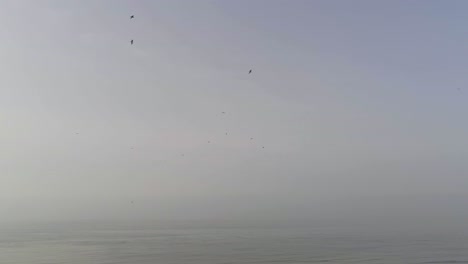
131	42
132	17
251	138
250	71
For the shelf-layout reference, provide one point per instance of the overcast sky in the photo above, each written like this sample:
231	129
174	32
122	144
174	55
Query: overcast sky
350	100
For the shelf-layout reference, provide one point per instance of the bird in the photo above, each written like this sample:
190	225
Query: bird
131	42
251	138
226	133
209	141
250	71
223	113
132	16
263	147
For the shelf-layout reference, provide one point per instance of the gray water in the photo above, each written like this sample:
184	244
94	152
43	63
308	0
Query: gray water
112	244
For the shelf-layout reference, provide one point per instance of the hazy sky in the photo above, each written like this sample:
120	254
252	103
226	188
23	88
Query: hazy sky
351	99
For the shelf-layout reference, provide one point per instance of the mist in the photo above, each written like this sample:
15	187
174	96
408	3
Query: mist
351	117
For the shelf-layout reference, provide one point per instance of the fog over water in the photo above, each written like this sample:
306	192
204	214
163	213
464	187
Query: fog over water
357	112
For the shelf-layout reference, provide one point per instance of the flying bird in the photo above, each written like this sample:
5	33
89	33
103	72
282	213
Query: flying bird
131	42
250	71
132	17
251	138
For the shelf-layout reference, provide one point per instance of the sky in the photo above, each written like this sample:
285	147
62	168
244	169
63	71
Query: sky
360	107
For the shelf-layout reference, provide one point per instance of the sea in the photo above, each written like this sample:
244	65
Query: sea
101	243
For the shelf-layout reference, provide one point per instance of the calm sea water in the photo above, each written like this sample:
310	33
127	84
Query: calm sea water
101	244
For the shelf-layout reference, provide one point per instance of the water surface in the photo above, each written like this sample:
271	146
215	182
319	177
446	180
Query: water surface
112	244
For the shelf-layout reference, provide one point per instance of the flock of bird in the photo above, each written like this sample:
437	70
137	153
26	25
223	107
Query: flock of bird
131	41
249	72
209	141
